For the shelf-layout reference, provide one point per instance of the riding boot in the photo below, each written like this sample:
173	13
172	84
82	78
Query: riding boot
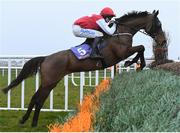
88	41
95	52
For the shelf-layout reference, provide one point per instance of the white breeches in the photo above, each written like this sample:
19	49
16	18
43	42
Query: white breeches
85	33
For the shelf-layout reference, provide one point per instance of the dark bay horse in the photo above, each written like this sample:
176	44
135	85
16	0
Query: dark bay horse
119	47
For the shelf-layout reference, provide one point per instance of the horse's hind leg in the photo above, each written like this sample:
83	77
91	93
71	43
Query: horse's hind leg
42	96
30	107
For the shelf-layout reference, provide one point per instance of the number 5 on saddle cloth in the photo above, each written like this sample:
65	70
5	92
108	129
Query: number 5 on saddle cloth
82	51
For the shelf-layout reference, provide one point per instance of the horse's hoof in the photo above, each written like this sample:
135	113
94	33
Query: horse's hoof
4	91
34	125
127	63
142	67
21	122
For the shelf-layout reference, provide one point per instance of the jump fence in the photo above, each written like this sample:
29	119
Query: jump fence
9	64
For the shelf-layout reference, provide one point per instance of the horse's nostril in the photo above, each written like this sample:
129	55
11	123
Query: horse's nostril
164	42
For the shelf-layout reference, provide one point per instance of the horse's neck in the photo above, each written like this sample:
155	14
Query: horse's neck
137	24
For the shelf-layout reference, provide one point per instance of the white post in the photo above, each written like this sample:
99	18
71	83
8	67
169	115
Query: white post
51	100
128	69
22	95
17	71
90	78
9	81
81	86
112	72
3	72
66	92
97	78
135	66
22	89
37	81
120	70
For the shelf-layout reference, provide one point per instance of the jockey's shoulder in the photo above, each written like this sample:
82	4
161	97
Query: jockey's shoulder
96	16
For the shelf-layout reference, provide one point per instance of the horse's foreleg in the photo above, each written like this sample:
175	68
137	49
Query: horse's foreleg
140	49
140	56
142	59
134	60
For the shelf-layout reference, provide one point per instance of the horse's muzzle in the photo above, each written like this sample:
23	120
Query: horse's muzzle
164	42
161	40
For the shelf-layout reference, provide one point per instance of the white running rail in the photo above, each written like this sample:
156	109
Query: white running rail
9	63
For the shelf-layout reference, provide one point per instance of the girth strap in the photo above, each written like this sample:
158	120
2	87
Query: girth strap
121	34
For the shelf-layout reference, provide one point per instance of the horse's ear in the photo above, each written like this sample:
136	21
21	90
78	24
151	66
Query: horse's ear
155	13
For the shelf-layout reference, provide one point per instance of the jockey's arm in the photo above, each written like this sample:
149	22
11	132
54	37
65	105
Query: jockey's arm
104	26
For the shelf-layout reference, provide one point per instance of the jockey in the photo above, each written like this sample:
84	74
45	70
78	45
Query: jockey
91	27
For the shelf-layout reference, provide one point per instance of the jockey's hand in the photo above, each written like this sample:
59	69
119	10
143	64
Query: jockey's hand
111	21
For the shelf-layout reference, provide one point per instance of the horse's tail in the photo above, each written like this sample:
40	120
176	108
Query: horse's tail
30	68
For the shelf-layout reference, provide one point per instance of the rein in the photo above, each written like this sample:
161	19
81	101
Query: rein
119	34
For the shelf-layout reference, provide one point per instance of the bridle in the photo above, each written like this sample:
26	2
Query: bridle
150	33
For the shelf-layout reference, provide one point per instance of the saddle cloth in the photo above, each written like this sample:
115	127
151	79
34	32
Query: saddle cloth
82	51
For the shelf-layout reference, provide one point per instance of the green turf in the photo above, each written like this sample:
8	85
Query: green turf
144	101
9	121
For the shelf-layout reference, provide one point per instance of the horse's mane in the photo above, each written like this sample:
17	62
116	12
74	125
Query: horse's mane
131	15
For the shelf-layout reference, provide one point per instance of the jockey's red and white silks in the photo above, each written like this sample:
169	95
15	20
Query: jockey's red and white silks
89	27
104	26
89	22
85	33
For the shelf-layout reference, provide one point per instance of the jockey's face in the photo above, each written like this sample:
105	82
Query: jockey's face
107	19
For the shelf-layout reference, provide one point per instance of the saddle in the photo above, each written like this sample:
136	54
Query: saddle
84	50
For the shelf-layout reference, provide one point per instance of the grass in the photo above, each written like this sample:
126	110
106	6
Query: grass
144	101
9	119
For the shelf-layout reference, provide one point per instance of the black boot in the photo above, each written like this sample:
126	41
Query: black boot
95	52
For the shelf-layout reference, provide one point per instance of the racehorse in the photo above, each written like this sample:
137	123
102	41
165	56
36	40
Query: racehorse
118	47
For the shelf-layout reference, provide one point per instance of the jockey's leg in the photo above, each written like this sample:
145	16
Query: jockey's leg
95	52
90	34
86	33
89	41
